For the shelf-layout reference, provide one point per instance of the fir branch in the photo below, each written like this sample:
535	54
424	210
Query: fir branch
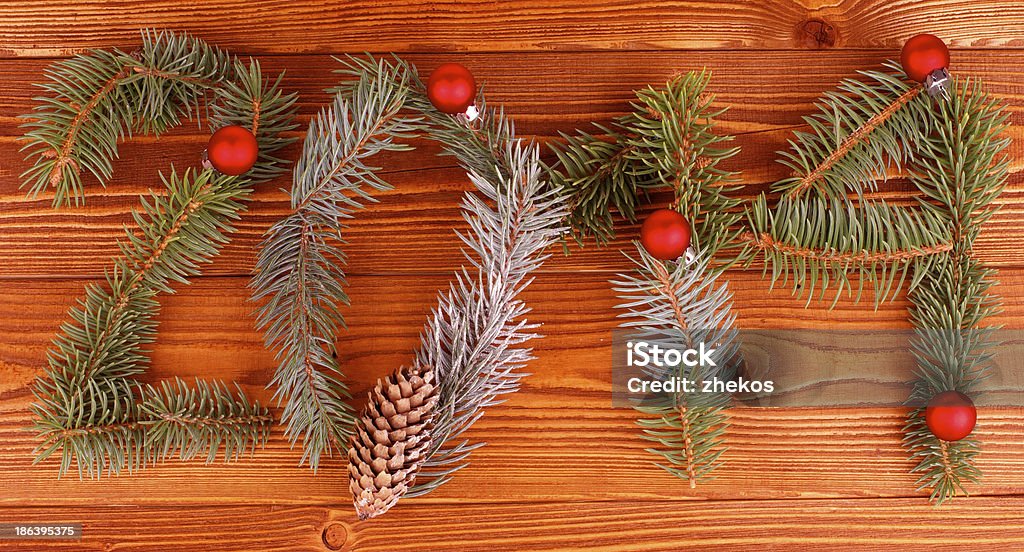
96	355
673	143
89	406
678	304
594	172
299	270
475	338
478	146
962	168
94	100
861	131
820	242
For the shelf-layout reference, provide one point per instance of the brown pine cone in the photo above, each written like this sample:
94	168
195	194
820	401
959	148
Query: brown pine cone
391	439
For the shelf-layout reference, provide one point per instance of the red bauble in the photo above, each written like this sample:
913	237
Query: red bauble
665	234
451	88
232	150
923	54
951	415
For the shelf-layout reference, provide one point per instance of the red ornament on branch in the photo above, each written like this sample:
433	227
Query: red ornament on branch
951	415
232	150
665	234
925	59
451	88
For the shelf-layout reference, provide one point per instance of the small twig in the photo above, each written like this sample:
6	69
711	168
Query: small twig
691	472
172	75
765	242
669	289
202	421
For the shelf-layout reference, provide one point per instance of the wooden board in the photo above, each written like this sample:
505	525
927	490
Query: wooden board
416	219
649	526
562	470
54	28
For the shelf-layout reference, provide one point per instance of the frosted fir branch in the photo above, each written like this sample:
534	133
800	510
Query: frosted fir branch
477	335
478	146
681	304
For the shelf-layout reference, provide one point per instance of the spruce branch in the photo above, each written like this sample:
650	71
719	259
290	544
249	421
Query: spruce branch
89	381
856	138
170	420
473	339
594	171
679	304
201	420
95	100
961	167
89	407
672	143
667	141
476	336
820	242
299	270
860	132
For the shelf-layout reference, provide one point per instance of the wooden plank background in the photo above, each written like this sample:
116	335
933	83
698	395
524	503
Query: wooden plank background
563	470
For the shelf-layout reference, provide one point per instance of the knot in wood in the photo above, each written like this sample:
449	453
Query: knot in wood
335	536
817	33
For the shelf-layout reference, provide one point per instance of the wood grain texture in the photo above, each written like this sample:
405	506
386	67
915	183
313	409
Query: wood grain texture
551	441
563	470
416	219
649	526
56	28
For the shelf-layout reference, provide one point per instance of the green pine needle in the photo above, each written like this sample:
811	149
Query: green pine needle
682	304
299	270
89	408
961	167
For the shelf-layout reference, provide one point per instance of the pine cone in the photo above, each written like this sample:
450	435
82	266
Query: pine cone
391	439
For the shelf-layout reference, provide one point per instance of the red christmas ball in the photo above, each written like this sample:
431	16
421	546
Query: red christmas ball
951	415
451	88
923	54
665	234
232	150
